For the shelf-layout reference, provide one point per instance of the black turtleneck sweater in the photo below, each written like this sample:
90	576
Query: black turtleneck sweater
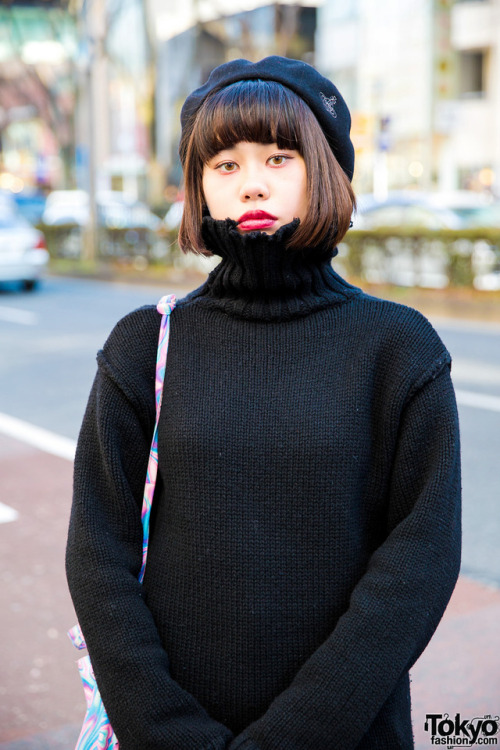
306	524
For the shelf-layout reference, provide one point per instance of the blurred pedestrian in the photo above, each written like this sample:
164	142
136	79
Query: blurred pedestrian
305	536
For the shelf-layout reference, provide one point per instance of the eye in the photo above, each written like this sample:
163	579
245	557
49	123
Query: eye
278	160
227	166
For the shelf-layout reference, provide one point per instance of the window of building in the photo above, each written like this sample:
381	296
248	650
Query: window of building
472	74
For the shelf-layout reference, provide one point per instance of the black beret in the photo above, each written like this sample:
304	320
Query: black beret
323	98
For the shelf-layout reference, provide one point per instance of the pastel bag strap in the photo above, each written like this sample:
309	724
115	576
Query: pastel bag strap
164	307
97	732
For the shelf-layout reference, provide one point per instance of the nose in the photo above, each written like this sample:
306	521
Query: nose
253	187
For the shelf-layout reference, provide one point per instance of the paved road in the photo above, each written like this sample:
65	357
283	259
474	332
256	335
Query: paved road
48	343
475	349
51	338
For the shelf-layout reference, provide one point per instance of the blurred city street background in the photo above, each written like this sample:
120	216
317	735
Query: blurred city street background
90	202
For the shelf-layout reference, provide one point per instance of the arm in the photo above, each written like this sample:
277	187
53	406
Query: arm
146	707
396	606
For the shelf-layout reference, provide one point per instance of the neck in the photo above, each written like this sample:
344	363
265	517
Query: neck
259	277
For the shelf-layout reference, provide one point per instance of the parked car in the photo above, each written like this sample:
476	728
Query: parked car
458	209
23	252
474	209
66	207
30	203
487	216
404	209
115	210
7	202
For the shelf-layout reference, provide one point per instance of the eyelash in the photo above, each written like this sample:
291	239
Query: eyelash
285	157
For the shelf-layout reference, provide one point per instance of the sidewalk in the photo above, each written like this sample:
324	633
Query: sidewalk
463	303
459	672
40	689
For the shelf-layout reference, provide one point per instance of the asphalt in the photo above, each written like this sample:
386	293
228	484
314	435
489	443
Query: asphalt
464	303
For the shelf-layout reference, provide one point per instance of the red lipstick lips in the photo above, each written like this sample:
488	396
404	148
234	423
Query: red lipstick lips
255	220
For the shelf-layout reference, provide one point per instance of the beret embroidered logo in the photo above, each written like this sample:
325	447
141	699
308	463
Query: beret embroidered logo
329	103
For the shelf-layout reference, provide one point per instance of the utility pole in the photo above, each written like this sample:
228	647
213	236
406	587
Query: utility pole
94	30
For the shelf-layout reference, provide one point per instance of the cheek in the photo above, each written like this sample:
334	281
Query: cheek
209	194
302	193
215	196
205	188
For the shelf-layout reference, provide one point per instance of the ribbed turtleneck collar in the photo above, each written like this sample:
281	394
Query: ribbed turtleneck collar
260	278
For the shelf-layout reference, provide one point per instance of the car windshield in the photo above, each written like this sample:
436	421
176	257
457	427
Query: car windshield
12	221
403	215
484	216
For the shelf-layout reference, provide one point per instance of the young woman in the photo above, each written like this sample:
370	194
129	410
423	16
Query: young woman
305	536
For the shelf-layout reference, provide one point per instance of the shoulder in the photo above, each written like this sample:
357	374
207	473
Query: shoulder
128	356
404	342
135	328
399	323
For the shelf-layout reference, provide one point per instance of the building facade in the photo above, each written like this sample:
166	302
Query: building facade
422	78
37	97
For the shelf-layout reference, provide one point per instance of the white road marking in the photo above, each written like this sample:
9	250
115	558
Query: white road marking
13	315
491	328
47	441
7	514
474	371
478	400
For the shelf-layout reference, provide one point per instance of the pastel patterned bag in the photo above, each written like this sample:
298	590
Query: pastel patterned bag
97	733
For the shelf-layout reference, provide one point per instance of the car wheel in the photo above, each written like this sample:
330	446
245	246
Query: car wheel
29	284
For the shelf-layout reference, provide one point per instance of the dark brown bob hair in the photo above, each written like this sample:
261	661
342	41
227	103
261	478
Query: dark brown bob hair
259	111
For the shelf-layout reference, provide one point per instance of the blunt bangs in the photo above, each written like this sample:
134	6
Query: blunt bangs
251	111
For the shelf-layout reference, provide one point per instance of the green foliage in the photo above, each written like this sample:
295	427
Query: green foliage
451	257
69	241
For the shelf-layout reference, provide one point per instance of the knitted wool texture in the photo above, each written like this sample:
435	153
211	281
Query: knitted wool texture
305	534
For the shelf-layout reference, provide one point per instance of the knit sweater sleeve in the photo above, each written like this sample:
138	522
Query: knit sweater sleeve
397	604
146	707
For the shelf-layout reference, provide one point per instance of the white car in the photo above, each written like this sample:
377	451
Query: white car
404	208
23	252
115	210
66	207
